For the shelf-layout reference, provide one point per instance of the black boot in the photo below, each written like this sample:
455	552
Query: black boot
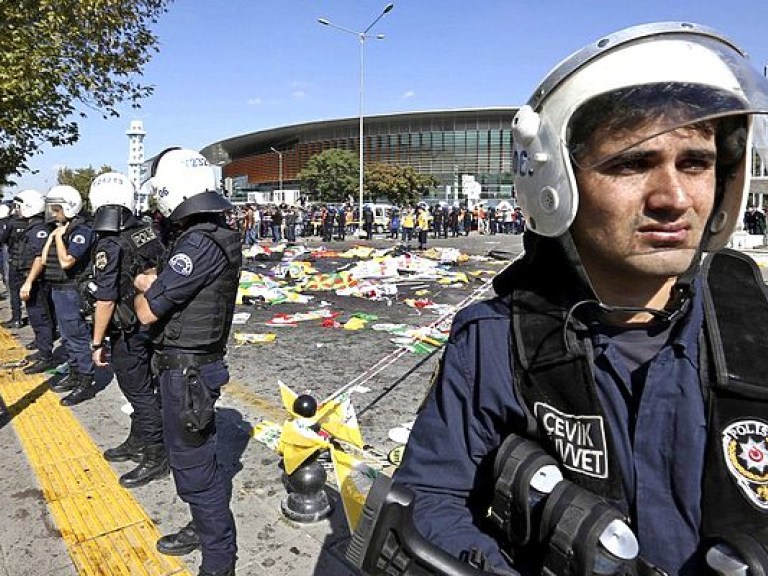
68	382
131	449
40	365
228	572
153	465
80	393
180	543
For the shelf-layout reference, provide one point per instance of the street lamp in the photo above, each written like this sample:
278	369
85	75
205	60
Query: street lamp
280	164
362	37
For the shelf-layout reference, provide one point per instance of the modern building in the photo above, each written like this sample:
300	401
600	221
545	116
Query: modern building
452	145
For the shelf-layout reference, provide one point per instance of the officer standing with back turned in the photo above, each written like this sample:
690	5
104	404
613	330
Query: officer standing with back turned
125	247
190	303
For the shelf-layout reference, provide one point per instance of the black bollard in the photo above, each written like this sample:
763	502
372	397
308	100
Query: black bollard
307	500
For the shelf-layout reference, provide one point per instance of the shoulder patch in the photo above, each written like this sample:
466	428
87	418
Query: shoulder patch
745	449
42	234
78	239
181	264
100	261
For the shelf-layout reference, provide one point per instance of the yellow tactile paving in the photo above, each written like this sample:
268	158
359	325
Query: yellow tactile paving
105	529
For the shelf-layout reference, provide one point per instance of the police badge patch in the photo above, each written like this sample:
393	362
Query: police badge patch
78	239
745	449
181	264
101	260
42	234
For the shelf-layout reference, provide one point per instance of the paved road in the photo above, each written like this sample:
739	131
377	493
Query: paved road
64	513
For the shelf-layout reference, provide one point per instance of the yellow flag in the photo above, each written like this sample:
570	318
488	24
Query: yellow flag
338	418
354	479
298	442
288	397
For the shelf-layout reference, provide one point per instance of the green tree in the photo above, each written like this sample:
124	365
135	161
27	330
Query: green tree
399	184
331	176
61	58
80	179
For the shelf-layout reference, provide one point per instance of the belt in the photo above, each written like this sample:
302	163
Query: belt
180	361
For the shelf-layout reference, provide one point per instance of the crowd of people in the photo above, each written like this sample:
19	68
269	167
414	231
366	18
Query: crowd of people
754	221
276	223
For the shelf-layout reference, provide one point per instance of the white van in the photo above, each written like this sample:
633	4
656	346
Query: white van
381	214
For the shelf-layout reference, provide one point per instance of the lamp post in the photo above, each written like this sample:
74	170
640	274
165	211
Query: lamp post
279	163
362	37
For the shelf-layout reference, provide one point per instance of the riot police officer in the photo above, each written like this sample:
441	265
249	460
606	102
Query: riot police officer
66	257
12	229
26	246
190	303
5	213
612	344
125	247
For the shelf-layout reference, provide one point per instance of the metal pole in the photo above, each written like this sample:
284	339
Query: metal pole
362	36
279	164
361	181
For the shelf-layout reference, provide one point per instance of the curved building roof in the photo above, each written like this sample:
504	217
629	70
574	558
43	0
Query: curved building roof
224	151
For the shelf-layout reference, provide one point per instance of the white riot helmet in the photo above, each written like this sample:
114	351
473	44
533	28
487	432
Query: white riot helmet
29	203
184	183
67	197
5	211
114	189
112	197
681	73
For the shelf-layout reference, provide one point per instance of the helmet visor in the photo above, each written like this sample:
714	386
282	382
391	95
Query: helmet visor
718	83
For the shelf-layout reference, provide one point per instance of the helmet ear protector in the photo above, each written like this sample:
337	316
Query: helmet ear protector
653	61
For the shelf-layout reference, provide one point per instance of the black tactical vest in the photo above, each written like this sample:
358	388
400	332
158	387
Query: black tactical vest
27	252
203	324
18	226
552	366
54	273
140	249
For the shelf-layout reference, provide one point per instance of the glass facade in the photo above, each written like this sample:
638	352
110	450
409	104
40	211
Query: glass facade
446	144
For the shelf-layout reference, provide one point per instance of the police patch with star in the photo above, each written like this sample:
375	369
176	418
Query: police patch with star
745	449
181	264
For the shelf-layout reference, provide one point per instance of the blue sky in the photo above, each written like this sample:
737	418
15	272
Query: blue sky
230	67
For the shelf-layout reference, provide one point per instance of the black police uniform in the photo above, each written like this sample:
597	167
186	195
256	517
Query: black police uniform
193	297
25	249
75	333
11	234
117	258
3	259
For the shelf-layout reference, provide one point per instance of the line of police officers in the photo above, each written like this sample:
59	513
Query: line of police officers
161	318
